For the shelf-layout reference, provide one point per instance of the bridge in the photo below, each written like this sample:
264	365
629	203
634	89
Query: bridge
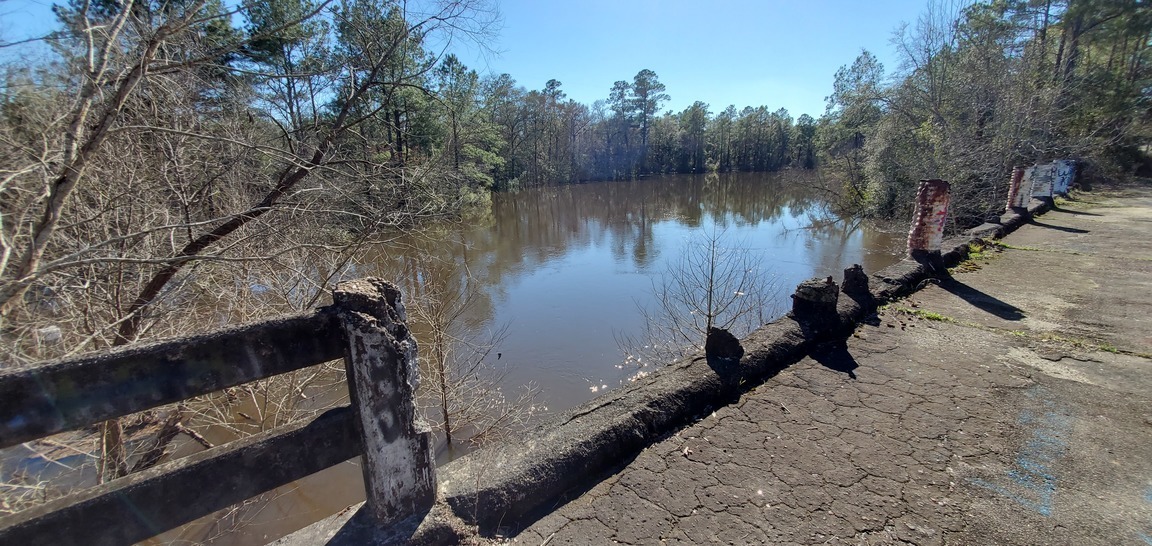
1004	401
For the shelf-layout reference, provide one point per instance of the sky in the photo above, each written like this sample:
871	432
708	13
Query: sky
775	53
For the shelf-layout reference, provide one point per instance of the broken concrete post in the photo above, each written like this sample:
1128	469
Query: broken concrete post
721	344
928	225
399	471
814	304
855	286
1017	198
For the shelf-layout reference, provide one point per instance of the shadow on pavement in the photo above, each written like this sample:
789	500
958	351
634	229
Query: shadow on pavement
980	300
1059	228
834	355
1076	212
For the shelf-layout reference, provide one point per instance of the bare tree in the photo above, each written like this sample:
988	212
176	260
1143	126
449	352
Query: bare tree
712	284
463	392
136	180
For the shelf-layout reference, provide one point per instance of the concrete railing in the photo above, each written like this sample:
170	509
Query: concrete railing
1042	182
365	326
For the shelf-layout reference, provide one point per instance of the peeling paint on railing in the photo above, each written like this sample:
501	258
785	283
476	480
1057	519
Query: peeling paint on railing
931	214
1016	199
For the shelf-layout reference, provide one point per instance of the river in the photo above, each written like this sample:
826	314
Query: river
565	271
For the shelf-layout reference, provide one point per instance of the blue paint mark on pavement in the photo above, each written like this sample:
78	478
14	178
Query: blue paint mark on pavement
1032	483
1147	498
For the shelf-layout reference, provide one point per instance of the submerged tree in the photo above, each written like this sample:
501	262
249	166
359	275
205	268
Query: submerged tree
462	388
712	284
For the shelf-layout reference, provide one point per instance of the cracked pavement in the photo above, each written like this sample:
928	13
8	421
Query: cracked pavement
1009	405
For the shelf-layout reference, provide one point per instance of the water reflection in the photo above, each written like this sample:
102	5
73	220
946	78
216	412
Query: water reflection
566	267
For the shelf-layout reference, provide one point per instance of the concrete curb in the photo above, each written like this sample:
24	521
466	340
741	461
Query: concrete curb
495	487
501	484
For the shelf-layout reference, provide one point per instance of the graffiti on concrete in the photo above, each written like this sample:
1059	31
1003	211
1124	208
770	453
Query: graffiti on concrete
1045	180
1065	175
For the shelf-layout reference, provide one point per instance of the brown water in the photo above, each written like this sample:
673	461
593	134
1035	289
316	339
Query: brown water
565	270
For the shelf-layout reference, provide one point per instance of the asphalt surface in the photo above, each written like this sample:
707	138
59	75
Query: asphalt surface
1011	404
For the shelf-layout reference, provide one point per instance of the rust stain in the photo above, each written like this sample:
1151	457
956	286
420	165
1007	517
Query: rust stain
1014	188
927	231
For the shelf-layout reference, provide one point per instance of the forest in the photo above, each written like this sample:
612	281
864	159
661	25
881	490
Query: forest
982	88
166	158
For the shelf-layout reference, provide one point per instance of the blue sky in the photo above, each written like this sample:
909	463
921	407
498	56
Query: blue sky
776	53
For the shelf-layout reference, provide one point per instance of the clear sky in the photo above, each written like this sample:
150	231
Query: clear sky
776	53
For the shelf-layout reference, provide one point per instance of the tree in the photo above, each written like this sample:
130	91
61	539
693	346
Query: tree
721	138
472	139
803	142
647	96
462	390
712	284
693	126
289	47
619	145
853	111
504	107
157	110
987	86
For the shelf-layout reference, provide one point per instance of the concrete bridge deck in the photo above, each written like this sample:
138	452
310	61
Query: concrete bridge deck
1012	405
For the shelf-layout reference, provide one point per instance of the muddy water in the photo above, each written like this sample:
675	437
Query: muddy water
565	271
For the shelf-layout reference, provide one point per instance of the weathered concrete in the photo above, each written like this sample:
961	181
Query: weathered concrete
68	394
814	304
399	478
143	504
985	409
1017	198
720	344
930	215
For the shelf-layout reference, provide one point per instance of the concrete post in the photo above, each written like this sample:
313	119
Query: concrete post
814	304
1017	198
1042	181
931	212
399	471
1064	175
855	286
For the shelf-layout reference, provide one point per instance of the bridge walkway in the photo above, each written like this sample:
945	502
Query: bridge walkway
1009	405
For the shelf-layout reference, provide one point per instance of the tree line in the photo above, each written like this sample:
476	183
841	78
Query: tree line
170	166
983	87
165	147
547	139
